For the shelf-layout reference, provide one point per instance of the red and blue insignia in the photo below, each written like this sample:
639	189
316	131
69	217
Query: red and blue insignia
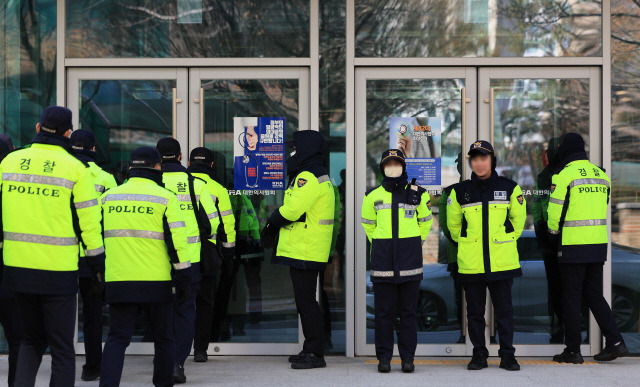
301	182
553	187
520	199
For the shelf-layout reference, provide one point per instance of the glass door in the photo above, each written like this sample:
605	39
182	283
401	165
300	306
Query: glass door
126	109
523	111
398	107
226	106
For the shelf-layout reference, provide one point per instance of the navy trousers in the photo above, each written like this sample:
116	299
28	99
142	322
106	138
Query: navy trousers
476	295
48	320
91	324
12	326
123	320
184	324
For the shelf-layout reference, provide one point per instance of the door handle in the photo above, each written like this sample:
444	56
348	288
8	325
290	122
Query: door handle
491	117
465	101
175	102
201	116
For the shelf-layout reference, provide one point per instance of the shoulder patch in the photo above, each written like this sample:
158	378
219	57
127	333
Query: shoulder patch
301	182
553	188
449	201
429	205
520	199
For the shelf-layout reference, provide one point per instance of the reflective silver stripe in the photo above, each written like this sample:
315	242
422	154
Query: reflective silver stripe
134	234
367	221
425	219
94	252
42	239
212	215
326	222
587	222
407	206
375	273
86	204
135	198
589	181
213	236
323	178
228	244
554	232
503	241
556	201
227	212
379	207
187	198
193	239
37	179
214	198
182	265
470	204
177	224
99	188
406	273
499	202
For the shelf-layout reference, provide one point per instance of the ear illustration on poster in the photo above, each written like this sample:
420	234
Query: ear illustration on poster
258	162
419	138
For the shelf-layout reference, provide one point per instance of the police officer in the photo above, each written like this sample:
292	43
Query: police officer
304	226
486	216
146	242
549	250
397	218
83	143
202	220
201	166
577	220
43	189
9	314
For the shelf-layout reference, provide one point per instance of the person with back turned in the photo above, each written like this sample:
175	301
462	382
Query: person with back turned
396	216
49	205
83	144
486	216
304	227
146	245
577	223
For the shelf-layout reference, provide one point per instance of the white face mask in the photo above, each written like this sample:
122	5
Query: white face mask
393	171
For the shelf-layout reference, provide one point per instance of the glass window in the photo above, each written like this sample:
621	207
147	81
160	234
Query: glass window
478	28
625	174
187	29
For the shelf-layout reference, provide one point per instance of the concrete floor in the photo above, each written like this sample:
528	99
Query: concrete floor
341	371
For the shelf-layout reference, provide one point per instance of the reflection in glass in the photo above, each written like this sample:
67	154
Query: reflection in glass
253	298
530	115
178	29
625	157
478	28
439	308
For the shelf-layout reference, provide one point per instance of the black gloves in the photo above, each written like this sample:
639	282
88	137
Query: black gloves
183	292
268	235
228	253
96	263
97	285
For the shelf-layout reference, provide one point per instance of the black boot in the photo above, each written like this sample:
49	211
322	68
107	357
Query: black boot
295	358
178	374
308	361
478	362
509	363
612	352
90	374
569	357
384	365
200	356
407	366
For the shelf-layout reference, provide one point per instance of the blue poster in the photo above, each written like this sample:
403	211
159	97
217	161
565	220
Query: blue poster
258	153
419	138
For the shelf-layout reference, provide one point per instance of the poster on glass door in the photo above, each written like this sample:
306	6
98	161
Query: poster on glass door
258	162
420	139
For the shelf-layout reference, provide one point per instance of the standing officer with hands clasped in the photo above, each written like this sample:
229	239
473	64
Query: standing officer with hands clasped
146	245
49	204
304	225
397	218
577	221
486	216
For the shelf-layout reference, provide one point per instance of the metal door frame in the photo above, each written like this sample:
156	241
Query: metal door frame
362	74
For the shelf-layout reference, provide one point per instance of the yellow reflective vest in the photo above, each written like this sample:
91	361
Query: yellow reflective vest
308	208
43	189
578	211
144	233
103	180
396	223
220	196
486	218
